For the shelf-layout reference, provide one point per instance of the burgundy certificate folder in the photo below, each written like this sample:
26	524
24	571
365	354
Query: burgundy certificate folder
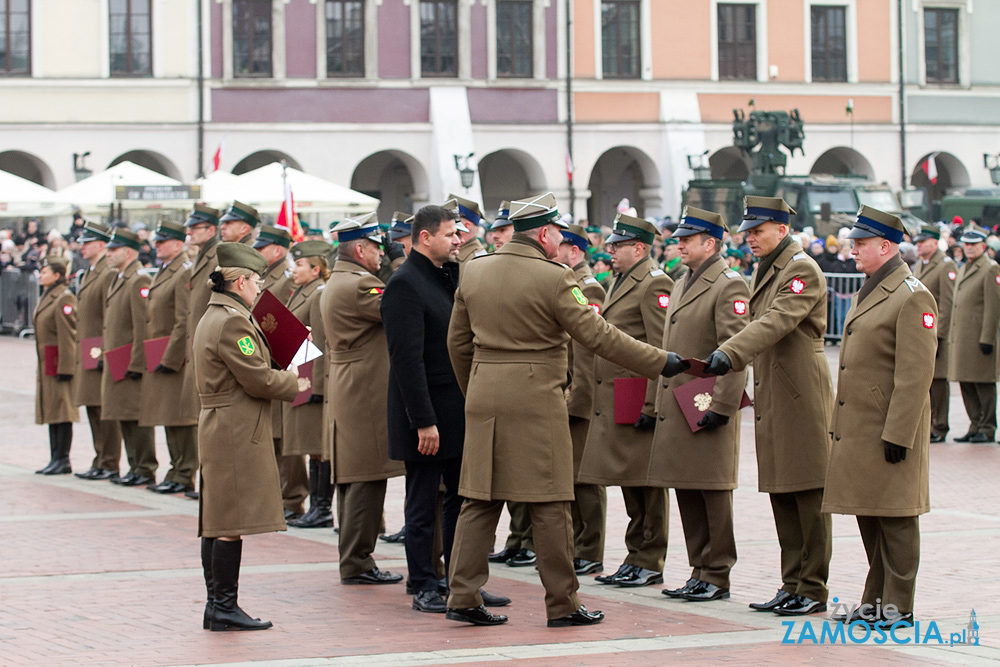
154	348
283	331
90	352
118	360
630	396
695	398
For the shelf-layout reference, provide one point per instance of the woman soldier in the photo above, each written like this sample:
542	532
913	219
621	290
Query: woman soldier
303	423
55	342
240	487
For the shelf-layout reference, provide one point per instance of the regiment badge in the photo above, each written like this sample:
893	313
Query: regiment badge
246	345
144	292
269	323
703	401
580	298
928	320
663	300
797	285
997	279
67	309
95	353
375	290
951	275
740	307
305	384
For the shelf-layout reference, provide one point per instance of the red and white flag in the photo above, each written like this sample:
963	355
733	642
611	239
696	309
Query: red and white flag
287	217
930	168
569	166
217	157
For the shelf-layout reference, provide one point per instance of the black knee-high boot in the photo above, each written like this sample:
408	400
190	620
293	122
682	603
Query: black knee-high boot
226	613
63	434
319	514
207	543
53	451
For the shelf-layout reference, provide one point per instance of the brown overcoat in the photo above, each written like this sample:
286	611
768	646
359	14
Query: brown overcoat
618	454
54	321
90	323
124	323
303	424
883	395
240	486
793	394
357	383
938	275
975	315
701	317
199	295
580	391
508	349
471	248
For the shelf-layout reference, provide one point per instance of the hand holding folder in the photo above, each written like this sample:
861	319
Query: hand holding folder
695	399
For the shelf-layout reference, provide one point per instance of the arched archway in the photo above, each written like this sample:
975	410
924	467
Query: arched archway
939	173
396	178
843	161
622	172
157	162
27	166
263	158
509	174
731	164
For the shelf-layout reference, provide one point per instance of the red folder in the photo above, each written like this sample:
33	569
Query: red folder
695	398
51	360
118	360
630	396
154	349
90	352
283	331
305	384
697	368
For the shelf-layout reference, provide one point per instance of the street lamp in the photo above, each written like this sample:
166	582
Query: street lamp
992	162
465	172
80	166
699	165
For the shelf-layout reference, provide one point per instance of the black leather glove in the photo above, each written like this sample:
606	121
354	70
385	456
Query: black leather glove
100	365
937	352
315	399
644	423
394	249
713	420
718	363
63	378
675	365
986	349
160	368
129	375
894	453
574	420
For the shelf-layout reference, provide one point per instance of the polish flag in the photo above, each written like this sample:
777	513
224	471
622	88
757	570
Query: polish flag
930	168
217	157
569	166
287	217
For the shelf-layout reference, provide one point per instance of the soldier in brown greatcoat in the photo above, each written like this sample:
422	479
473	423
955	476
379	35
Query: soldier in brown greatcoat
167	312
125	324
94	284
617	454
240	490
937	272
238	223
54	323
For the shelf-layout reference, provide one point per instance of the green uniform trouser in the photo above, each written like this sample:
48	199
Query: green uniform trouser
140	448
646	534
893	547
806	546
182	443
980	400
707	518
590	508
520	527
107	440
359	513
294	476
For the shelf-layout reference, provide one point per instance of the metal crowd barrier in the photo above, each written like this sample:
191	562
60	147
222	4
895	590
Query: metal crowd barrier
18	298
840	287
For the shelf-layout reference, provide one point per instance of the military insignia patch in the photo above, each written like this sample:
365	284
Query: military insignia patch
67	309
928	320
797	285
740	307
596	307
997	279
144	292
578	295
662	300
375	290
656	272
703	401
951	275
246	345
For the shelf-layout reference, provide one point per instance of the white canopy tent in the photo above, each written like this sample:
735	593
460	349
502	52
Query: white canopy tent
219	189
263	189
21	198
94	195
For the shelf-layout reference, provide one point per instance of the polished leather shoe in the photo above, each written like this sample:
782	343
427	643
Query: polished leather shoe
579	617
855	616
779	599
292	516
60	468
48	466
168	487
679	592
501	556
800	605
93	473
490	600
373	576
395	538
623	571
937	438
523	558
429	602
584	566
965	438
640	576
125	480
977	438
704	592
442	587
896	618
475	615
193	495
139	480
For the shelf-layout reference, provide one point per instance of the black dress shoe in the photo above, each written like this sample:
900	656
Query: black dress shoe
623	570
800	605
429	602
977	438
395	538
855	616
705	592
292	516
138	480
501	556
442	587
639	577
584	566
167	487
93	473
373	576
60	468
193	495
936	438
965	438
523	558
773	603
475	615
679	592
579	617
125	480
895	619
490	600
49	466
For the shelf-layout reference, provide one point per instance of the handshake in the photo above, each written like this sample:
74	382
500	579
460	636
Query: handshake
717	363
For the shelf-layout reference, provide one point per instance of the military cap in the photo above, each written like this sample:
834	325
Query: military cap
629	228
124	238
241	256
758	210
452	205
927	232
56	263
734	252
601	257
241	211
503	216
699	221
310	249
402	225
576	235
203	214
271	235
974	234
94	231
873	222
670	240
468	209
540	211
362	227
167	230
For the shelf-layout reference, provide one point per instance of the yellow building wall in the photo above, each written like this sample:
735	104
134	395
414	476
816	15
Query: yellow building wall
718	108
680	46
616	107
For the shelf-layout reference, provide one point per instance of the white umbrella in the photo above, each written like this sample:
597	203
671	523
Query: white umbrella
95	194
219	188
263	189
20	198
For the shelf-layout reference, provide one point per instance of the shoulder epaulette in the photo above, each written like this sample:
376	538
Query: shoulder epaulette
799	255
657	272
729	273
188	264
913	283
590	281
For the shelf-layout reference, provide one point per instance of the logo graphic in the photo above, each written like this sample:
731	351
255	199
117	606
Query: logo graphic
740	307
67	309
928	320
246	345
703	401
580	298
663	300
95	353
375	290
797	285
144	292
305	384
269	323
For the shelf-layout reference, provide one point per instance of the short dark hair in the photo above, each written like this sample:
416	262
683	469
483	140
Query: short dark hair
430	218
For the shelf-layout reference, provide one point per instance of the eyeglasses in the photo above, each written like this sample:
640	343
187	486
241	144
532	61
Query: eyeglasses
614	247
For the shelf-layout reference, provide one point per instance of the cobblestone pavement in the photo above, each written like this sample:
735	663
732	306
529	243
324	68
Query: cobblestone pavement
91	573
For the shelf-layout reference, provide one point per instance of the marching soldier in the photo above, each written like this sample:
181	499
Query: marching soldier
617	454
166	317
93	291
709	306
793	397
937	272
502	229
238	223
879	461
974	362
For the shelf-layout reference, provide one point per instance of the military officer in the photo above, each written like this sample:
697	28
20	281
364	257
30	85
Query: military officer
672	264
937	272
617	453
502	229
166	317
508	349
709	305
400	229
356	395
879	461
468	215
93	290
125	324
590	505
239	223
973	361
793	398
